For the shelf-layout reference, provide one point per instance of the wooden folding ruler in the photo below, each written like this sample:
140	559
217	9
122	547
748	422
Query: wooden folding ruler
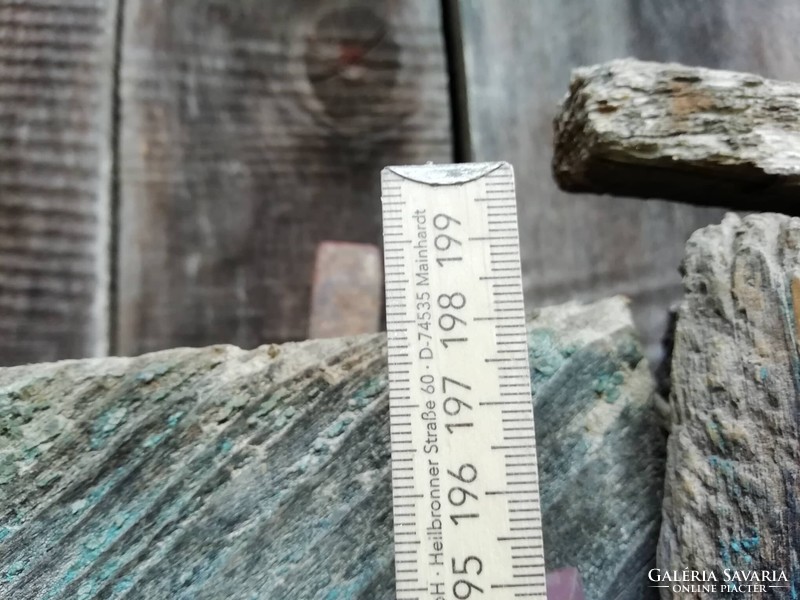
467	522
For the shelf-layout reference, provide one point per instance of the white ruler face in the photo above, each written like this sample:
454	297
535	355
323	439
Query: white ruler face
466	502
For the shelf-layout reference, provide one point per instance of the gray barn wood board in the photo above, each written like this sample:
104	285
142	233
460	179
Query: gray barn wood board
518	60
217	102
685	133
251	131
224	473
733	467
56	132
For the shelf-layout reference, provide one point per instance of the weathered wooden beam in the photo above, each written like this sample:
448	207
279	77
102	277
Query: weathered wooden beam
250	132
223	473
681	133
733	468
56	159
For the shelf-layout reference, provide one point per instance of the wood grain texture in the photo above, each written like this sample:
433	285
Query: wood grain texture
682	133
519	56
223	473
251	132
733	467
56	90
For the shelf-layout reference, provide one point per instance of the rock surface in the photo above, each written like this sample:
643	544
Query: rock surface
224	473
600	447
733	470
682	133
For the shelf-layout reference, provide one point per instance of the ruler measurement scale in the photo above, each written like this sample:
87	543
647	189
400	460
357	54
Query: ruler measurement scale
464	475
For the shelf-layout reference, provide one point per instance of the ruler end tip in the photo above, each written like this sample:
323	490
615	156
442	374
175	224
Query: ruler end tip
442	174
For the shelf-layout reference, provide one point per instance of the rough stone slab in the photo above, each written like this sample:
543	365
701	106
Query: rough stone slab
600	447
224	473
682	133
733	467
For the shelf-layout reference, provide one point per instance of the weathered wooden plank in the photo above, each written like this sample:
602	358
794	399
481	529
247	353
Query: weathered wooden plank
223	473
56	90
251	132
733	467
519	56
683	133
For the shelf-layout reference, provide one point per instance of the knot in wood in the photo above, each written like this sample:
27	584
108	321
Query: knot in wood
352	61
